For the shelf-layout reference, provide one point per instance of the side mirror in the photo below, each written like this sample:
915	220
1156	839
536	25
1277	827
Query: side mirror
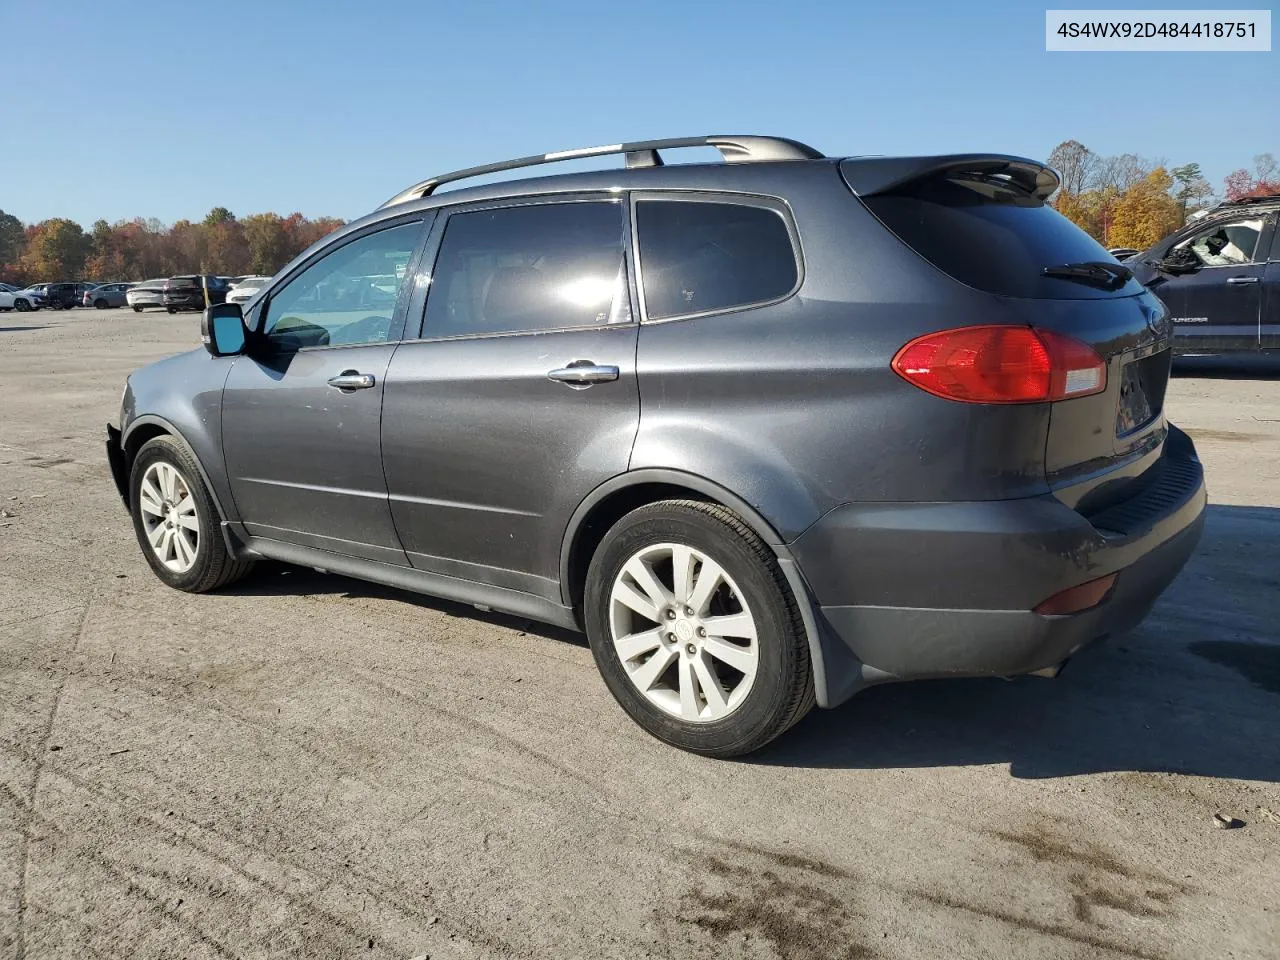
1178	262
222	330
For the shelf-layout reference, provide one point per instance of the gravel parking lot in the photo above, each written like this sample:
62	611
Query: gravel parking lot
309	766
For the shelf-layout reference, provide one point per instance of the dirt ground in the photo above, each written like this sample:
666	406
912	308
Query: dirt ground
309	766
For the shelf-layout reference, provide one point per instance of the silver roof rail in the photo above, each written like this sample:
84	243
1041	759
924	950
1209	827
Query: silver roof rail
642	153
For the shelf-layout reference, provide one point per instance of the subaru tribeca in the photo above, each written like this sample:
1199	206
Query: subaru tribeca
770	430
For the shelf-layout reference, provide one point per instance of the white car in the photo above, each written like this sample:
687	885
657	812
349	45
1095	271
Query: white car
149	293
11	298
246	289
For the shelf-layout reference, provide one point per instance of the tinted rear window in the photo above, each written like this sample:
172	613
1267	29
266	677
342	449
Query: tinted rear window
538	267
698	256
992	236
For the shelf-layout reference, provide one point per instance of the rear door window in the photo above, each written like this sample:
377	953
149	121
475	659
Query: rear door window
701	256
542	266
993	235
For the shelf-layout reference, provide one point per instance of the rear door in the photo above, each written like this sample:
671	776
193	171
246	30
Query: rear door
1217	307
519	396
301	414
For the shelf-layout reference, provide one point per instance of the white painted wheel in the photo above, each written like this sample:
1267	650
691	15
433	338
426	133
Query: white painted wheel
683	632
169	516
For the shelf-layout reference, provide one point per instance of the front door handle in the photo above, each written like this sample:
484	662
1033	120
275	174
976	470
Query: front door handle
581	374
349	380
1242	279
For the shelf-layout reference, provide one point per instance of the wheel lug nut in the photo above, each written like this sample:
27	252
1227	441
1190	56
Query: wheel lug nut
692	649
671	614
702	631
671	638
688	611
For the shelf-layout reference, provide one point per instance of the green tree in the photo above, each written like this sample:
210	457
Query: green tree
218	215
1191	189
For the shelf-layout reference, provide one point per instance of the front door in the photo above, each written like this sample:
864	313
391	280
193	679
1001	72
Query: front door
1218	306
1269	324
301	415
520	397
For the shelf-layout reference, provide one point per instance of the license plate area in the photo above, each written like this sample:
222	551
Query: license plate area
1142	388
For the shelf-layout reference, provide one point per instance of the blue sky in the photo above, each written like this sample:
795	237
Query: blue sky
167	109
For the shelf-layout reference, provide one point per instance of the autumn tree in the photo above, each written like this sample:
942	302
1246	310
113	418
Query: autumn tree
269	245
1145	212
13	240
56	250
1263	182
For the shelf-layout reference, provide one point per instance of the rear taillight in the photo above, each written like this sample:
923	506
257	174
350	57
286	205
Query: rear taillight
998	364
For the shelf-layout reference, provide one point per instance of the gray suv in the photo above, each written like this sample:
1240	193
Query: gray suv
770	430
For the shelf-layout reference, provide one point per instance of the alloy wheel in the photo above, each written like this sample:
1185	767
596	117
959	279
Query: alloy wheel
684	632
169	516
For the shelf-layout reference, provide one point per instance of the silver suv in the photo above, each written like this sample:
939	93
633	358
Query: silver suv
769	430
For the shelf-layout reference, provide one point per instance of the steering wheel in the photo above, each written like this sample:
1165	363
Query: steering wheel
367	330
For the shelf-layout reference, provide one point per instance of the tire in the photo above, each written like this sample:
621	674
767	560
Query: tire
137	309
770	686
22	306
195	567
100	304
171	309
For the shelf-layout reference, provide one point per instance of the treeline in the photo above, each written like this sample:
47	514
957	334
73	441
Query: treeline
1132	201
139	249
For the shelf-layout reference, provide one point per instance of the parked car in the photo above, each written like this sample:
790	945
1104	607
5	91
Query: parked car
64	296
1220	276
926	440
13	298
106	295
243	290
148	293
187	292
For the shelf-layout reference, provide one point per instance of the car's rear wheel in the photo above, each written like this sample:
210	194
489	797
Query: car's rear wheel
100	304
137	309
177	522
695	631
172	309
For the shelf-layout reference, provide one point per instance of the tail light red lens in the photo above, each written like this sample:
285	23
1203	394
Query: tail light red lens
998	364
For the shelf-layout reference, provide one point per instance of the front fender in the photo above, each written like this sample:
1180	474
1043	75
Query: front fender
182	396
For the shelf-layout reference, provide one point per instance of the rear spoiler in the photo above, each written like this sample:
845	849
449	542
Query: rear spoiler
868	176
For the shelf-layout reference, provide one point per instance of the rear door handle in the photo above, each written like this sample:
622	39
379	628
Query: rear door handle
349	380
583	373
1242	279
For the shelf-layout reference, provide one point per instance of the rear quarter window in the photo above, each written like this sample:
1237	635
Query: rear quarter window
704	256
993	236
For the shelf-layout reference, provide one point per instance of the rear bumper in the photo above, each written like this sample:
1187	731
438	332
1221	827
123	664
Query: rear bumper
115	459
913	591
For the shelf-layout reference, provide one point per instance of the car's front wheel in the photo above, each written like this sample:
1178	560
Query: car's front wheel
137	309
695	630
177	522
22	306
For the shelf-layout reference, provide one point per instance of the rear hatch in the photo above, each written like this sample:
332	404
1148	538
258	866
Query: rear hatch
183	288
985	222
